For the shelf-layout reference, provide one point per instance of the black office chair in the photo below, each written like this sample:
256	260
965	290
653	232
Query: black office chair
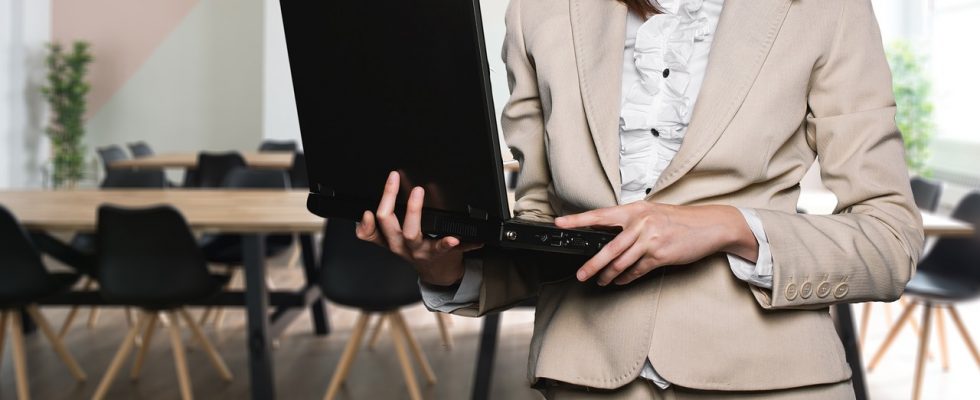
212	168
948	275
140	149
926	193
362	275
84	243
109	155
226	249
276	145
25	280
148	258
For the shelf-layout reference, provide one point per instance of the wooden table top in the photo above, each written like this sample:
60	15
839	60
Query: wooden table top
233	211
270	160
823	202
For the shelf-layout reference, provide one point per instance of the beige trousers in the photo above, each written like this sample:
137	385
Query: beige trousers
646	390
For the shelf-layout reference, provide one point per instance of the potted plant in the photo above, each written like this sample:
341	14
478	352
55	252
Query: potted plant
912	96
65	92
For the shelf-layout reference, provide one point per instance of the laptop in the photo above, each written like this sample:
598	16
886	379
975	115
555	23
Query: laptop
404	85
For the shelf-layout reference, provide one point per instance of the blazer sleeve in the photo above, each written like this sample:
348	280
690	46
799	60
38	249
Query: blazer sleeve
509	279
868	249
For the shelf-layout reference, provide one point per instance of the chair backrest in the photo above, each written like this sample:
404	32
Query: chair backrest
359	274
134	179
926	193
22	273
297	173
111	154
245	178
140	149
148	257
959	256
212	168
274	145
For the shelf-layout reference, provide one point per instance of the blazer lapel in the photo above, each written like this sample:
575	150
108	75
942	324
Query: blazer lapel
745	34
599	36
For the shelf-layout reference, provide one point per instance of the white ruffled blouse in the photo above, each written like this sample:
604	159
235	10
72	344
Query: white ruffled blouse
665	61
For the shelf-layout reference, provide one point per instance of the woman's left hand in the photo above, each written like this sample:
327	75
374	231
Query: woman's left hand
656	235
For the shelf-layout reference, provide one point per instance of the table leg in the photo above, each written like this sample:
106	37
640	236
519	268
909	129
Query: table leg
257	306
485	357
311	268
845	328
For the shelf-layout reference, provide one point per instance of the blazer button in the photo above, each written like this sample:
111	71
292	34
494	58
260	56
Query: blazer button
823	289
791	292
841	290
806	290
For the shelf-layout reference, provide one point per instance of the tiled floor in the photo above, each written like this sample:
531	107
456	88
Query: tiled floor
304	362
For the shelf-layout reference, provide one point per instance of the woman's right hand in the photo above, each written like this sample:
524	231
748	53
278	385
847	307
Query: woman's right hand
438	261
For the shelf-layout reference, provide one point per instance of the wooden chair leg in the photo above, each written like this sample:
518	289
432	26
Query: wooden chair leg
93	317
116	364
896	328
413	343
399	339
213	356
70	318
963	332
151	325
59	346
376	332
20	356
180	357
941	331
297	252
865	317
343	367
444	320
923	348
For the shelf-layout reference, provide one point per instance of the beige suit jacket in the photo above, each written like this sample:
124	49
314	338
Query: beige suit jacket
787	81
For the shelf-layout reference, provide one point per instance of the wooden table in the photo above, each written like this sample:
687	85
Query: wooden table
252	213
268	160
824	202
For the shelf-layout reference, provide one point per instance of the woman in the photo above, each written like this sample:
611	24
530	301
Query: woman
689	124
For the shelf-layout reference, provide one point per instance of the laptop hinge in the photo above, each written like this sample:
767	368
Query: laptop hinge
477	213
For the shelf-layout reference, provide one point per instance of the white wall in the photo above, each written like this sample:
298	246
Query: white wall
201	89
24	29
279	120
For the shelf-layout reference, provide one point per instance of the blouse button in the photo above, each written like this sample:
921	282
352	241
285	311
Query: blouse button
666	72
655	132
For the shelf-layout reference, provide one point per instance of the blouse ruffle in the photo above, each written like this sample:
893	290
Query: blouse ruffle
663	49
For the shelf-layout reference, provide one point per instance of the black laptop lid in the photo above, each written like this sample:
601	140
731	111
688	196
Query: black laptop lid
400	85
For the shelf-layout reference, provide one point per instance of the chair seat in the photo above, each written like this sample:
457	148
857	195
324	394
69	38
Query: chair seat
227	249
937	287
156	300
58	282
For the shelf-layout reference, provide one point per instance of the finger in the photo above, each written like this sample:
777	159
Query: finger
640	268
445	244
611	216
609	252
390	194
367	230
622	263
412	229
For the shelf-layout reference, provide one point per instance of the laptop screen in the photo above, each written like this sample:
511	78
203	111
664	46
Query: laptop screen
400	85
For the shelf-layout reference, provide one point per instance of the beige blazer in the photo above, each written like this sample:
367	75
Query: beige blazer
787	80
